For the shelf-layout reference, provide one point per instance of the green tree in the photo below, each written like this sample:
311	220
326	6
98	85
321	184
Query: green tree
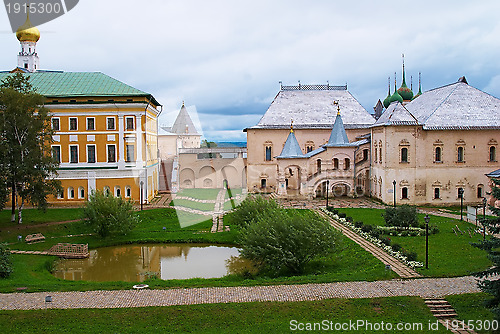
403	216
109	215
492	246
5	261
285	241
251	208
27	167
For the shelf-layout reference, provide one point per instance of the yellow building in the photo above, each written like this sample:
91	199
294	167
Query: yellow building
105	131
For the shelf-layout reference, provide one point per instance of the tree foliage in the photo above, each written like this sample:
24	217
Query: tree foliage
5	261
27	167
251	208
492	246
403	216
109	215
285	241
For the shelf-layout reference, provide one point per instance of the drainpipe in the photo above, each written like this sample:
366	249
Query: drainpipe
354	163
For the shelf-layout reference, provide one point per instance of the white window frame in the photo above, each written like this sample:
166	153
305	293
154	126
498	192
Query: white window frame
114	123
107	153
127	153
118	189
60	194
52	152
77	154
58	123
87	121
133	123
71	193
128	192
80	192
69	124
95	153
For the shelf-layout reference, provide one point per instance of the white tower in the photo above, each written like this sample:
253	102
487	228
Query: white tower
28	35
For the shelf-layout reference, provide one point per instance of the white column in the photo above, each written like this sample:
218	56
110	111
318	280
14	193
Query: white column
139	140
121	135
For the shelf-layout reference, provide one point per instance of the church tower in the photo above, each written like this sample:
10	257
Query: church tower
28	35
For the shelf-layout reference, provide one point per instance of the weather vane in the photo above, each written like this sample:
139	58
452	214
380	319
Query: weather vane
336	103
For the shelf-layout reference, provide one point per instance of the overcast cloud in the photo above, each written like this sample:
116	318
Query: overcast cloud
226	58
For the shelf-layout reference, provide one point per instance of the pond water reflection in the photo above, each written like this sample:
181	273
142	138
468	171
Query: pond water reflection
135	263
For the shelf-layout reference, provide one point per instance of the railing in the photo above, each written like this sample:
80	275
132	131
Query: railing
312	87
71	251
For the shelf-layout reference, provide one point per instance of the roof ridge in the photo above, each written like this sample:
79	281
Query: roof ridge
440	104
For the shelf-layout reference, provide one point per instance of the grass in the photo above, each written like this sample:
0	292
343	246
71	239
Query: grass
193	205
449	254
256	317
35	216
470	307
199	193
349	263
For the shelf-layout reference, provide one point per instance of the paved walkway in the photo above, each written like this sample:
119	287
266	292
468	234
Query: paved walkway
397	266
426	288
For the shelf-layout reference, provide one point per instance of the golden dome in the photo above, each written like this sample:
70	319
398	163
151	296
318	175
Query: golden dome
28	33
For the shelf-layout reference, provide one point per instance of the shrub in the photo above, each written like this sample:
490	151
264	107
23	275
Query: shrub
342	215
109	215
386	241
335	211
403	216
5	261
283	241
410	256
358	224
349	219
396	247
366	228
253	207
330	208
376	233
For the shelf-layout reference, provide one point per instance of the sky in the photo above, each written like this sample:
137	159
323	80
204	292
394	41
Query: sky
225	58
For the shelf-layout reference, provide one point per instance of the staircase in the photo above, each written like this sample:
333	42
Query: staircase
446	315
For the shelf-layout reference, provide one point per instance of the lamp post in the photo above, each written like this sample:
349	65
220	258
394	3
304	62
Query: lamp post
461	195
142	184
394	191
427	219
327	187
484	217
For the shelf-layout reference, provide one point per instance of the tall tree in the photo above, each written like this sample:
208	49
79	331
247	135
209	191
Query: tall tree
27	166
492	246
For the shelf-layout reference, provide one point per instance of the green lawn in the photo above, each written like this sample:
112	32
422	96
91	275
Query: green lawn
34	216
262	317
449	254
349	263
470	307
193	205
199	193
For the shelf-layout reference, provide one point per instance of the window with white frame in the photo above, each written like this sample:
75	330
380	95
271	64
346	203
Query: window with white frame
106	191
56	126
73	123
130	149
81	192
56	153
90	123
60	194
71	193
128	192
91	156
129	123
110	123
118	191
111	153
73	154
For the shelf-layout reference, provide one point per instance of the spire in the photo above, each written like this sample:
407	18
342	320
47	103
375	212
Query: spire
419	86
405	92
338	136
292	148
387	100
396	96
291	126
28	35
183	123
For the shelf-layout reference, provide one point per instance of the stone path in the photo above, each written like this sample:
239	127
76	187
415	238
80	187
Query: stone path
425	288
399	268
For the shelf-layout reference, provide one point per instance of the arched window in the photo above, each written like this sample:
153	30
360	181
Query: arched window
404	154
71	193
118	191
375	150
318	166
460	154
493	153
106	191
347	163
263	183
268	153
480	191
335	163
404	193
60	194
380	155
437	154
128	192
81	192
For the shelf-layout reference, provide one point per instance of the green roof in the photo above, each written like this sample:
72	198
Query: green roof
75	84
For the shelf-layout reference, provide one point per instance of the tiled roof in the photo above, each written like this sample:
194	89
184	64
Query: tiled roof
494	174
183	123
291	149
396	114
74	84
314	109
456	106
338	136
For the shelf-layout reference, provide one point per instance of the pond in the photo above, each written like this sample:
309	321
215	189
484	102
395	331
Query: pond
136	263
